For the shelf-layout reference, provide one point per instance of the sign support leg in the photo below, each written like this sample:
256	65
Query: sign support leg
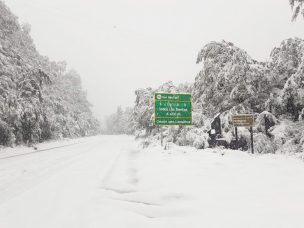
161	136
236	138
251	132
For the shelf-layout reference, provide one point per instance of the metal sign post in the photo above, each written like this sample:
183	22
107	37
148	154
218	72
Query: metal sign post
161	137
236	138
246	120
251	132
160	130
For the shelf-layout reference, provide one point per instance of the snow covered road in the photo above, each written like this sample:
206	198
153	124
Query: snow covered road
44	189
108	181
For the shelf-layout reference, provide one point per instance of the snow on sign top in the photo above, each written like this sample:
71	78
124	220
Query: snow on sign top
246	120
172	109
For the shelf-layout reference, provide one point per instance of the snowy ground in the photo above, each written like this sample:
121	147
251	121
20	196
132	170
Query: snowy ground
108	181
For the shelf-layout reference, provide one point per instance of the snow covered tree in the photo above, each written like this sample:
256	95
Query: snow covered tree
119	122
39	100
285	60
229	77
143	110
286	70
297	7
126	121
116	121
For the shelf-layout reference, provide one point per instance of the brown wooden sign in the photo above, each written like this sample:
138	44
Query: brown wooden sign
243	120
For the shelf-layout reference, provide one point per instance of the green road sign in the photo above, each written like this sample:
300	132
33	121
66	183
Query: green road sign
172	109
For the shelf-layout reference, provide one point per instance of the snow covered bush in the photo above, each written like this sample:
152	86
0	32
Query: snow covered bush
289	136
265	120
6	135
146	142
228	136
296	136
140	134
189	136
263	144
198	119
279	133
201	142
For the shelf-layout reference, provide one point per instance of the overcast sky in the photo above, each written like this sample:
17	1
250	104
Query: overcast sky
118	46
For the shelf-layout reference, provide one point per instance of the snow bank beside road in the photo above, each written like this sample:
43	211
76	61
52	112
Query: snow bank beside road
113	183
183	187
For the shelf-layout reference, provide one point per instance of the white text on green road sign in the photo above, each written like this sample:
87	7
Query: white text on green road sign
173	109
